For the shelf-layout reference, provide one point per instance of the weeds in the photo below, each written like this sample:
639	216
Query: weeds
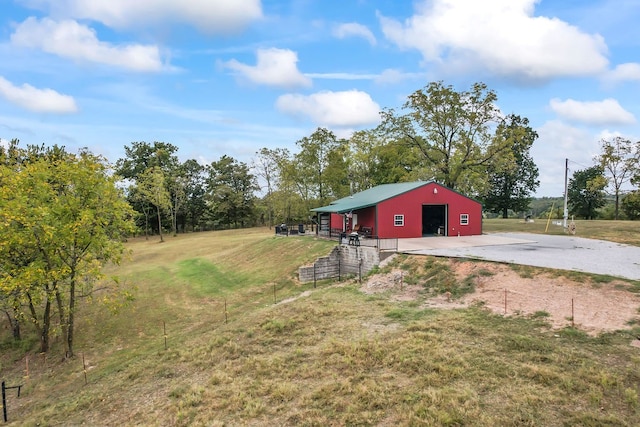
335	357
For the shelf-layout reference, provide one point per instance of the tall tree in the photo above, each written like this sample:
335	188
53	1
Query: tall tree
268	166
514	175
620	158
586	192
337	172
141	155
177	187
297	179
292	199
231	191
452	130
63	218
151	187
195	205
376	160
141	205
312	162
394	161
362	146
139	158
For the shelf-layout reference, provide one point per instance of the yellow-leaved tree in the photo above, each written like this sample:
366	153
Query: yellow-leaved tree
62	218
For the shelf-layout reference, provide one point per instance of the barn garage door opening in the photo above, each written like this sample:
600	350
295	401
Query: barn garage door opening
434	220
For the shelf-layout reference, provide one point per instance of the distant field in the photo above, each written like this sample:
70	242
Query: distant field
328	356
627	232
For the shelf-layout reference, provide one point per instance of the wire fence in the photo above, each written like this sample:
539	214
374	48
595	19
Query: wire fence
226	311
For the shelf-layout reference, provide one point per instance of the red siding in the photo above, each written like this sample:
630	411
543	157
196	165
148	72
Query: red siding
337	221
410	205
367	218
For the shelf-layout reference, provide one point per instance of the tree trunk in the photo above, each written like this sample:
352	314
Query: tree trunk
43	329
64	323
15	329
160	225
70	316
46	324
15	325
146	224
617	204
175	218
505	213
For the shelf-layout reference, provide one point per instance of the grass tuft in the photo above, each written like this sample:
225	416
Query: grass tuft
333	357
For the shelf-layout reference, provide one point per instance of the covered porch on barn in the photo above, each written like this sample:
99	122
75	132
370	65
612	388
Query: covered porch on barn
354	228
336	223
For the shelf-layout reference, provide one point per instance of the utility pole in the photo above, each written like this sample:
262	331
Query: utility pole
566	211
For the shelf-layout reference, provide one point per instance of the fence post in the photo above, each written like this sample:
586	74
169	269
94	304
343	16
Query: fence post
360	271
314	275
164	330
339	269
4	401
505	301
84	369
4	398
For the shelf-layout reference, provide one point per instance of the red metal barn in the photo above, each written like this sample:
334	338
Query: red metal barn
403	210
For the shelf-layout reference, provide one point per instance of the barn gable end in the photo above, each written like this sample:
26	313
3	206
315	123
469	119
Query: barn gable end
406	210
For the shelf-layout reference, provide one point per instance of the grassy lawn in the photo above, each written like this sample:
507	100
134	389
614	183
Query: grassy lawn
331	356
627	232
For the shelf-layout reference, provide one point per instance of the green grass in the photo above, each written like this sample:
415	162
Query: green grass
334	356
208	279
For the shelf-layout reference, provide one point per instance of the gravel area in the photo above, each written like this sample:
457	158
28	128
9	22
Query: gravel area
540	250
591	308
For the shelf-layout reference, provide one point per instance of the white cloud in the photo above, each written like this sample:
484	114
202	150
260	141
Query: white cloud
624	72
605	112
391	76
558	141
346	108
274	67
608	134
341	76
70	39
37	100
353	29
219	16
503	37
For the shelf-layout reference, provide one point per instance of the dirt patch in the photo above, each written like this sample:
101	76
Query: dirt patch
595	308
302	295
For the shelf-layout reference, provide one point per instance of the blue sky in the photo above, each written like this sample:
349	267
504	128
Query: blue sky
219	77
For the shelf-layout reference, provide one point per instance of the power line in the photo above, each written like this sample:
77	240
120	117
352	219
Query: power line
579	164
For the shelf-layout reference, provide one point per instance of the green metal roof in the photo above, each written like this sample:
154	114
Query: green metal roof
370	197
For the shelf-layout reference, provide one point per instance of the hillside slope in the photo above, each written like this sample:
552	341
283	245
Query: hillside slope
327	356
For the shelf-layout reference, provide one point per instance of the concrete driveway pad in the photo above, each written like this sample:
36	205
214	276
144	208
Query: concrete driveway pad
457	242
540	250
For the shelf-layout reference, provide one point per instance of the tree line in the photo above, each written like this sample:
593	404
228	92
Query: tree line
617	165
63	216
457	138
